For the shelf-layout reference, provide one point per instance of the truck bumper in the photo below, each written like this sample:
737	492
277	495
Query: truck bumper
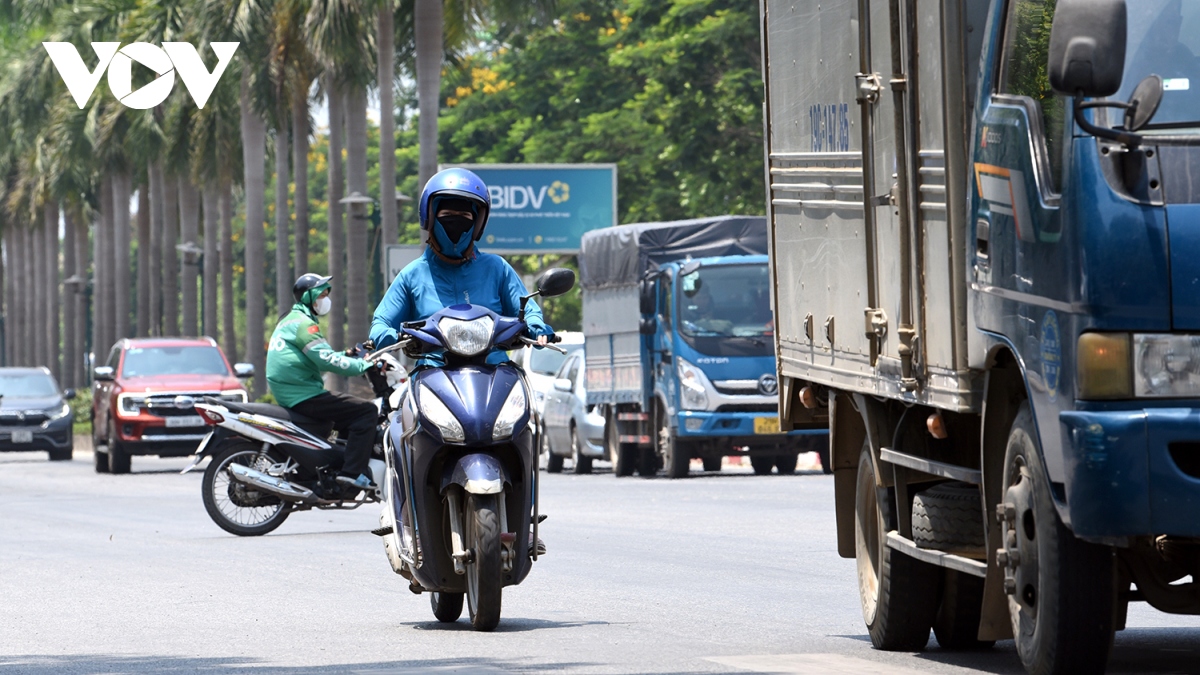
1133	472
693	424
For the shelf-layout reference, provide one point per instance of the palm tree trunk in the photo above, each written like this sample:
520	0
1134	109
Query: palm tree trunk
300	169
212	262
122	286
387	128
254	143
170	257
143	257
29	288
156	242
7	234
102	287
189	216
53	349
283	257
356	228
70	311
228	333
37	249
81	298
337	232
428	27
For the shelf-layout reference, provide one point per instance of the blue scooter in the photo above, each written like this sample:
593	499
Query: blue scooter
460	507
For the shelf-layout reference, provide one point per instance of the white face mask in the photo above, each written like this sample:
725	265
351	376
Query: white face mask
323	306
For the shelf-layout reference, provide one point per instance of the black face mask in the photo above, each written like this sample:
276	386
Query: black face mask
456	225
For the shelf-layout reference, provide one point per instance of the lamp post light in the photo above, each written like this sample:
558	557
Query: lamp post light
81	285
194	255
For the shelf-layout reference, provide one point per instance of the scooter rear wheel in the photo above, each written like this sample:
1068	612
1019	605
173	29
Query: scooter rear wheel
483	571
257	513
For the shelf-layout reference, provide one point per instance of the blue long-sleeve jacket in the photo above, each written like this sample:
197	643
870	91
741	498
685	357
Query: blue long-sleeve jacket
428	285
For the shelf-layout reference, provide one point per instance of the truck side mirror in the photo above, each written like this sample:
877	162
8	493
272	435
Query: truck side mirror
648	326
646	297
1087	47
103	373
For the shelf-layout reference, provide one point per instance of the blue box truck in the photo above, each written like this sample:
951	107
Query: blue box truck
985	247
680	360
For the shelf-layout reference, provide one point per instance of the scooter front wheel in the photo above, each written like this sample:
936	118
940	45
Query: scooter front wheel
483	570
447	607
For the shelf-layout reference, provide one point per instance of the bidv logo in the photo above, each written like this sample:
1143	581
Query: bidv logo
517	197
170	58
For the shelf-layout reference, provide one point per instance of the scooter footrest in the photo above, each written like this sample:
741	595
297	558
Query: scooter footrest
382	531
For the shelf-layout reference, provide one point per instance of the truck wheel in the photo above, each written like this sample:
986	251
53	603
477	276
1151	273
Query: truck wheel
118	459
1061	591
712	462
100	459
949	517
622	455
63	455
647	462
676	456
579	463
786	463
898	593
957	623
761	464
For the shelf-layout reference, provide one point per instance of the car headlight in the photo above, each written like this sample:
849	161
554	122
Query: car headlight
1166	365
467	337
440	416
234	395
59	413
128	404
510	413
691	386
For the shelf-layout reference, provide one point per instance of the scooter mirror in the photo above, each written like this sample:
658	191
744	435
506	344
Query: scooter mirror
555	281
1144	102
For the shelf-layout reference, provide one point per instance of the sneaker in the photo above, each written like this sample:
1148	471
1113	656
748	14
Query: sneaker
363	482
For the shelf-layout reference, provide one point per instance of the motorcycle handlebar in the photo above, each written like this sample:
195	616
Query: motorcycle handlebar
533	343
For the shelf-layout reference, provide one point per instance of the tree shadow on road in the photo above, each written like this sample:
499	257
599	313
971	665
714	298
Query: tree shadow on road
507	625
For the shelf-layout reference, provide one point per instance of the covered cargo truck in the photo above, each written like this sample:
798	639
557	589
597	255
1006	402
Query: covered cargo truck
679	355
985	240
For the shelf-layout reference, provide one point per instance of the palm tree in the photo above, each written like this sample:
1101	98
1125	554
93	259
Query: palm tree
189	215
337	228
228	330
170	258
53	306
155	255
384	79
254	133
144	274
428	26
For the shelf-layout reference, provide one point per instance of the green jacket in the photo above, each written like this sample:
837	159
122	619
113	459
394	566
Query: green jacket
298	353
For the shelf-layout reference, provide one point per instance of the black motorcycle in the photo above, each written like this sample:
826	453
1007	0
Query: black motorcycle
460	507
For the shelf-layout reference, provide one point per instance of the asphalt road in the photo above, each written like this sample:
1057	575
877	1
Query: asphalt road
728	573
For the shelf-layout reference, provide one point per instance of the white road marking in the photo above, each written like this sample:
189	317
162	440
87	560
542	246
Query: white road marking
810	664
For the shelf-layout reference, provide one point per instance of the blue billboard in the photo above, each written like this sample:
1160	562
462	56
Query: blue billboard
546	208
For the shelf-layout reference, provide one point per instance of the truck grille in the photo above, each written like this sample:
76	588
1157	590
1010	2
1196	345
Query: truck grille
748	407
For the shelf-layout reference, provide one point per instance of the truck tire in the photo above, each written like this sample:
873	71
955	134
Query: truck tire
677	458
949	517
957	624
712	462
899	594
762	464
820	445
100	459
1062	591
622	455
647	462
786	463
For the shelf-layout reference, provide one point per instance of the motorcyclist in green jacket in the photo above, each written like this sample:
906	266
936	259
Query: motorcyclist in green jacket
298	354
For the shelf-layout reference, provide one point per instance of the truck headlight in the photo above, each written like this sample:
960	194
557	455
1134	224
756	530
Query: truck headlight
439	415
467	338
1102	366
1166	365
129	405
510	413
692	395
234	395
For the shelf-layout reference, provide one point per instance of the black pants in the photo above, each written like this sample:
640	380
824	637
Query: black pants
353	418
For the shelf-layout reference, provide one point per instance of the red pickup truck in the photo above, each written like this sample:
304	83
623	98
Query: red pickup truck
144	394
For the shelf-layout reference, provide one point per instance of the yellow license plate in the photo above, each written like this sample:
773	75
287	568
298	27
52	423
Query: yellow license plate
766	425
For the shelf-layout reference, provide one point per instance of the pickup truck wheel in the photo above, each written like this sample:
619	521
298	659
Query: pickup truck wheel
100	459
1061	590
712	462
762	464
622	455
118	459
957	624
899	594
579	463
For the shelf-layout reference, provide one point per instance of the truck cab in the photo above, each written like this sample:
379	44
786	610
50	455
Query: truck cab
681	359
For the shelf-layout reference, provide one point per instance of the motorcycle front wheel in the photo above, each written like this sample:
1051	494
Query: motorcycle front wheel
236	507
483	571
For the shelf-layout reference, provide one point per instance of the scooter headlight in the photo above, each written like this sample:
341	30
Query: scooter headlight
440	416
467	337
514	408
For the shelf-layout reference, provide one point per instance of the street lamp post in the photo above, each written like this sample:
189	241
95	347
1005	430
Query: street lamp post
80	285
194	255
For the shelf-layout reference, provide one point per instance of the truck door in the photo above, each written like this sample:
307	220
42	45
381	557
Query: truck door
662	340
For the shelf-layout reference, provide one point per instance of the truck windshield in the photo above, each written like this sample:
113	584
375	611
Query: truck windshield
719	304
150	361
1164	39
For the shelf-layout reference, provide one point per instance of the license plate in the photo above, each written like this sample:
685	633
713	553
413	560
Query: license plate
185	421
766	425
22	437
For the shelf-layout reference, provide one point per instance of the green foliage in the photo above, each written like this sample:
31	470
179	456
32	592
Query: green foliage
669	91
81	405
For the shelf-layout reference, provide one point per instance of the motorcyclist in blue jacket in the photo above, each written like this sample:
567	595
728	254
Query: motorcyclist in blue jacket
454	210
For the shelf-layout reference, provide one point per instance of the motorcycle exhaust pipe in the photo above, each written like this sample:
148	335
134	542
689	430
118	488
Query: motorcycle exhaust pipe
276	486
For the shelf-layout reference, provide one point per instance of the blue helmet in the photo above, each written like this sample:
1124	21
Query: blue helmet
455	183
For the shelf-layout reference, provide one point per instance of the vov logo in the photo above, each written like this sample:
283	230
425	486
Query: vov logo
166	61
